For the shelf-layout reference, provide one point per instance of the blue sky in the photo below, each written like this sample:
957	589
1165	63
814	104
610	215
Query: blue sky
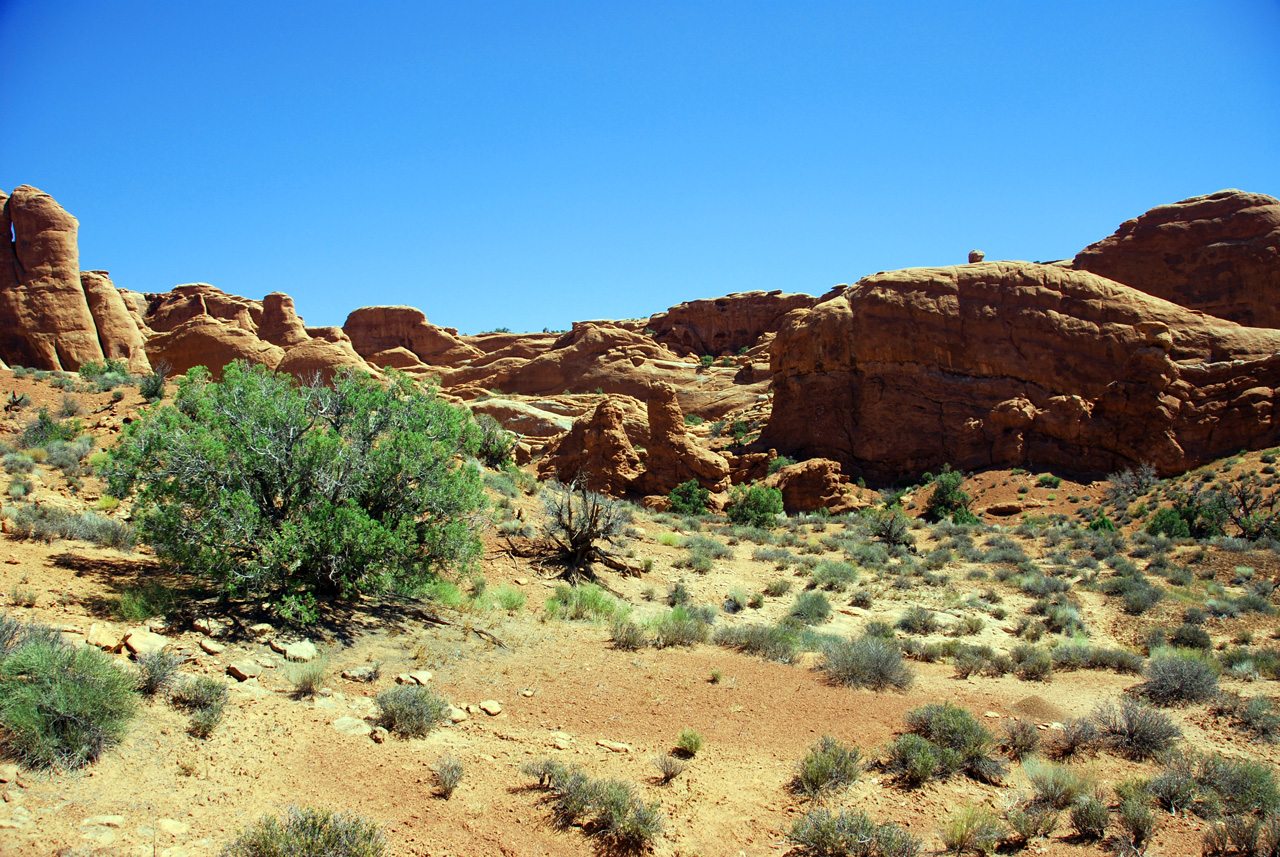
525	165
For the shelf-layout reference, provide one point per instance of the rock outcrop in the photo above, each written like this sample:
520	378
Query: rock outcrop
1002	363
321	358
595	450
673	456
280	322
378	328
210	342
118	331
809	486
724	325
167	310
45	322
1218	253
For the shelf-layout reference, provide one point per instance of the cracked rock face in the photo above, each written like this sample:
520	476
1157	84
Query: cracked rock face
1013	363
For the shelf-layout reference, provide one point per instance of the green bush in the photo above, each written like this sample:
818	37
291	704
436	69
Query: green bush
157	671
268	486
1089	818
205	700
1134	730
775	642
47	523
955	731
1177	677
972	828
1058	786
947	498
918	620
680	627
756	506
609	809
492	444
811	608
411	711
448	773
586	602
689	742
304	832
868	662
689	498
849	833
828	767
45	429
60	706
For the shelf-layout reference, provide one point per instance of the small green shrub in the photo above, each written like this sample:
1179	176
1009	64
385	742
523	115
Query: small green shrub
205	700
510	598
1089	818
308	677
411	711
1058	786
1022	739
587	602
1135	730
777	588
849	833
669	767
608	809
60	706
754	506
918	620
971	829
448	773
689	742
1178	677
867	662
811	608
955	731
304	832
828	767
157	671
774	642
680	627
689	498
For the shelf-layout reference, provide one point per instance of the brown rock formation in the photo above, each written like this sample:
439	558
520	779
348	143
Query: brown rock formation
280	323
673	455
816	484
378	328
322	358
45	321
1001	363
724	325
1218	253
596	450
118	332
168	310
212	343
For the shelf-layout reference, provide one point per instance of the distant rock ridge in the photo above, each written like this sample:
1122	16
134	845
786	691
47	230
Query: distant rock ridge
1157	344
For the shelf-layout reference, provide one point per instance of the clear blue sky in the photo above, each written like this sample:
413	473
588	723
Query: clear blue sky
529	164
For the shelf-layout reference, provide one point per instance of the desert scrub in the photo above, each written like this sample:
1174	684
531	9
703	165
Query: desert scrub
964	743
308	677
304	832
608	809
585	602
779	643
834	576
669	767
680	627
776	588
1058	786
811	608
627	635
205	701
689	742
157	671
47	523
411	711
828	767
849	833
754	506
448	772
689	498
971	829
60	706
1134	730
1021	739
1075	737
1177	677
918	620
872	662
509	598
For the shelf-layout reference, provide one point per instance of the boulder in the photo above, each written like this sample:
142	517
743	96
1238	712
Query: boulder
1218	253
244	670
379	328
816	484
1002	364
597	450
103	637
396	358
724	325
522	417
169	310
118	332
280	322
140	641
45	322
674	456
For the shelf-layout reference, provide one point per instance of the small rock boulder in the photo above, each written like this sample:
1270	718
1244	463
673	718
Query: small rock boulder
352	726
140	641
303	650
244	670
491	707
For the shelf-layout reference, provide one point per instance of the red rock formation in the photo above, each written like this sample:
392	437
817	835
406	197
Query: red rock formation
212	343
45	321
1218	253
280	323
167	310
397	358
378	328
320	357
1000	363
331	334
597	450
816	484
673	455
118	332
724	325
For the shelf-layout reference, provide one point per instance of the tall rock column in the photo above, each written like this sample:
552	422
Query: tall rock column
45	322
118	332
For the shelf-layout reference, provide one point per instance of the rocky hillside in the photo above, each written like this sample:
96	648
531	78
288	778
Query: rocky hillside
1138	350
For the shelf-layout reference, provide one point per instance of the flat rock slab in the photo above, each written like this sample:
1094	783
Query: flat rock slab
360	673
212	648
244	670
422	677
140	641
104	637
491	707
614	746
352	726
303	650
